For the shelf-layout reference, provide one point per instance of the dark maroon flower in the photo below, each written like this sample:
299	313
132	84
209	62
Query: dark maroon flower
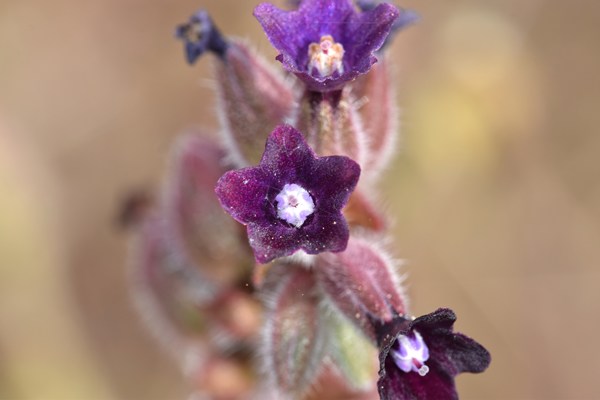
419	358
292	200
199	35
326	43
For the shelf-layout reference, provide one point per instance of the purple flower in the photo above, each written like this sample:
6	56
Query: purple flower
420	358
326	43
199	35
292	200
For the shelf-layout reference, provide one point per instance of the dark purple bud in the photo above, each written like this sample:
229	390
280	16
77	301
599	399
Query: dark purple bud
292	200
419	358
199	35
326	43
362	283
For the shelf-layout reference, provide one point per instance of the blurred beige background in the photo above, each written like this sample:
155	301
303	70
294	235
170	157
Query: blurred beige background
495	193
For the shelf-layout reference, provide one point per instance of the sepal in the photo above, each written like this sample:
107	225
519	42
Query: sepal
362	283
294	336
352	353
166	289
377	99
195	225
362	211
252	100
332	125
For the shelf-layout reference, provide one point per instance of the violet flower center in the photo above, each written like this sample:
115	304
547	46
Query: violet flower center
326	57
410	353
294	204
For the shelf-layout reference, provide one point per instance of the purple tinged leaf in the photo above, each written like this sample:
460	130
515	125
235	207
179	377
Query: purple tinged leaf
362	283
294	337
252	100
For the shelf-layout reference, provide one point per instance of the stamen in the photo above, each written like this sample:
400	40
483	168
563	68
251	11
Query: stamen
410	354
294	204
326	56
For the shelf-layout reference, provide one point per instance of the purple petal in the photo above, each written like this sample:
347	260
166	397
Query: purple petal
273	239
454	351
326	232
394	384
439	321
367	34
287	156
406	18
335	178
242	194
458	353
281	28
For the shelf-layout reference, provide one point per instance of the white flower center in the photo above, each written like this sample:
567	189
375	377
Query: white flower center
325	56
411	354
294	204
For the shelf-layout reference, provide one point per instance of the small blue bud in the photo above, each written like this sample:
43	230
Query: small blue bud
199	35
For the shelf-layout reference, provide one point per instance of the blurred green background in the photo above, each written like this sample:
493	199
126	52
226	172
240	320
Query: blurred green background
495	192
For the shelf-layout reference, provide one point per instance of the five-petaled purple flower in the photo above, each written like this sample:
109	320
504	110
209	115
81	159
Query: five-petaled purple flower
327	43
419	358
292	200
